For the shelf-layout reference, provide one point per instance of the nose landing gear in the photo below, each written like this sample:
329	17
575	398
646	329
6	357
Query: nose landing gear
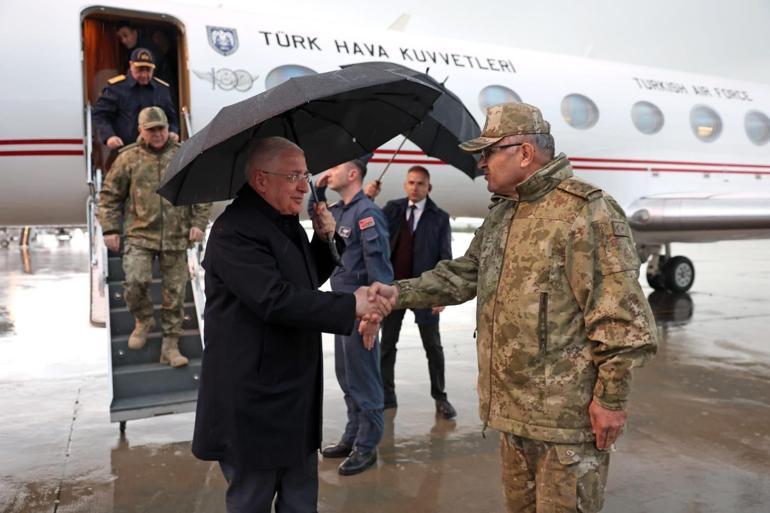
675	274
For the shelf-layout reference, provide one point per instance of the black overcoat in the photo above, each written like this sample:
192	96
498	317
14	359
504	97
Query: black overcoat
260	396
432	241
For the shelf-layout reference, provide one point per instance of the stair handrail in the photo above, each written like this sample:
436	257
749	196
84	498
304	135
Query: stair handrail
195	256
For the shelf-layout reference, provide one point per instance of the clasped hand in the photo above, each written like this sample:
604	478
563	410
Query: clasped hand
373	304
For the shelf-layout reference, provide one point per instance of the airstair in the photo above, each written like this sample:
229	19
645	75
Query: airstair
142	387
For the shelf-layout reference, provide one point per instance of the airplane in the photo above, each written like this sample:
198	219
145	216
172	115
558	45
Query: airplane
686	155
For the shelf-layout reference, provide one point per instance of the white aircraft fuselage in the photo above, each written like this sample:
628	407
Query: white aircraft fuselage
231	55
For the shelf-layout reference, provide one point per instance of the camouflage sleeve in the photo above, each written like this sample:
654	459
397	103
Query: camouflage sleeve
113	194
200	215
603	270
451	282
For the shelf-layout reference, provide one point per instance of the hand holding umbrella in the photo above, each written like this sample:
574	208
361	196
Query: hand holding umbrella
323	221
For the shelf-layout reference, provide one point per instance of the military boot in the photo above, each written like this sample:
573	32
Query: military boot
139	336
169	352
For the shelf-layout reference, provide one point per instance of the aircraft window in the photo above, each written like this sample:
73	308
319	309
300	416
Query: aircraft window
757	127
706	123
495	95
579	111
283	73
647	117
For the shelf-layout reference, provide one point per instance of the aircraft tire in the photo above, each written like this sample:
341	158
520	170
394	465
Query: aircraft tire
656	281
679	274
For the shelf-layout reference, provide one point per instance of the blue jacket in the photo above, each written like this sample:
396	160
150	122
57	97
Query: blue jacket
116	112
362	226
432	241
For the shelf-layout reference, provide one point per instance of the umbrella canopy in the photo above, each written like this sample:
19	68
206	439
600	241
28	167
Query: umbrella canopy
334	117
447	125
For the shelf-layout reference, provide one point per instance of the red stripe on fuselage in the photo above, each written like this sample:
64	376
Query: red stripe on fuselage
8	142
41	153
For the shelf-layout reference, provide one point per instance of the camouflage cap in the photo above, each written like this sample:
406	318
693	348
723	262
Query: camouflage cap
508	119
151	117
142	57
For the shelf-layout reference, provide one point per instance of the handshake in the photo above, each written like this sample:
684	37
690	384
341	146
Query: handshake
373	304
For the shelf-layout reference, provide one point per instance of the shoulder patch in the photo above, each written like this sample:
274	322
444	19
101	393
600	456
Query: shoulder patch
115	80
366	222
161	81
580	188
128	147
620	229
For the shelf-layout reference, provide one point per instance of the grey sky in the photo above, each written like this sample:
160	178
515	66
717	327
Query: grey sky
728	39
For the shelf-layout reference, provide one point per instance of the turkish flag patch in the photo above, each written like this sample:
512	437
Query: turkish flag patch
366	222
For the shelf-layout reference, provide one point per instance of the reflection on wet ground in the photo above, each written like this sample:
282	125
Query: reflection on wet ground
698	439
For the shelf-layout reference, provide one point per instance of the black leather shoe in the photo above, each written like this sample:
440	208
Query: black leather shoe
338	450
357	462
445	409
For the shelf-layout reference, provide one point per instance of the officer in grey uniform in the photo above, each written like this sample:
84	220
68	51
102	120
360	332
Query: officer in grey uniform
366	259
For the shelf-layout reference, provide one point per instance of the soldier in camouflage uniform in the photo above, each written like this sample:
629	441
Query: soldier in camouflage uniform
561	317
153	228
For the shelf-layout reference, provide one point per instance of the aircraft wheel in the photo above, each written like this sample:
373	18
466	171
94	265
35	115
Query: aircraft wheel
122	426
656	281
679	274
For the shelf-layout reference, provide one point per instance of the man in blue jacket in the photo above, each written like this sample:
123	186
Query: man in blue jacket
361	224
420	237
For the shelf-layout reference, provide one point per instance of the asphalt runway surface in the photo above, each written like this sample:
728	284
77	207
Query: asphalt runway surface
698	438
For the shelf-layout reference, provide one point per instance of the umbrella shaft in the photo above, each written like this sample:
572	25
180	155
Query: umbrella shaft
393	157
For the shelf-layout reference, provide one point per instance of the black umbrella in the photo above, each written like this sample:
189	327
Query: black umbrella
335	117
447	125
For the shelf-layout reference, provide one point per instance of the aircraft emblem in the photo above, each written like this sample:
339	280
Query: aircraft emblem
222	39
228	79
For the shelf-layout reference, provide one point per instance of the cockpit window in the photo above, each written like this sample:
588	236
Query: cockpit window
706	123
647	117
283	73
495	95
757	127
579	111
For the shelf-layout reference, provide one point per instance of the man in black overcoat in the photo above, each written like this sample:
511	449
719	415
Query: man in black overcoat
260	397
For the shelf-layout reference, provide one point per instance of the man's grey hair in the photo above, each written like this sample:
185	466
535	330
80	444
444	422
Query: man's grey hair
265	152
545	145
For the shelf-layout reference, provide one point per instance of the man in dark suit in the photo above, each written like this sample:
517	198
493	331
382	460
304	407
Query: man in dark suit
260	397
420	237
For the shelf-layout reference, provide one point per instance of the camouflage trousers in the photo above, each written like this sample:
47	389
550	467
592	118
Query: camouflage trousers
137	265
544	477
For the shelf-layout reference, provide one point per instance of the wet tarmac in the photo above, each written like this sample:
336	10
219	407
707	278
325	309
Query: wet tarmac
698	439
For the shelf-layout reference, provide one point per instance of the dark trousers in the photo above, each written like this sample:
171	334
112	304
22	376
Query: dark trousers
253	491
358	373
431	341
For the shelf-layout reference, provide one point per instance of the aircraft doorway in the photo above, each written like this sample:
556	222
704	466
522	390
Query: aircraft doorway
108	37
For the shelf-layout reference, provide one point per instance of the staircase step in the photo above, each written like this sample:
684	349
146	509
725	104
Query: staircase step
154	378
122	322
156	293
150	405
189	345
115	269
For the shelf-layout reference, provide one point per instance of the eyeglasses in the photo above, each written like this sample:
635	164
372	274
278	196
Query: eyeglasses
294	177
491	150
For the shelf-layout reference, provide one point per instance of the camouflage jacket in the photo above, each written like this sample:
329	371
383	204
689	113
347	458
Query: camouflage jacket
150	221
561	317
